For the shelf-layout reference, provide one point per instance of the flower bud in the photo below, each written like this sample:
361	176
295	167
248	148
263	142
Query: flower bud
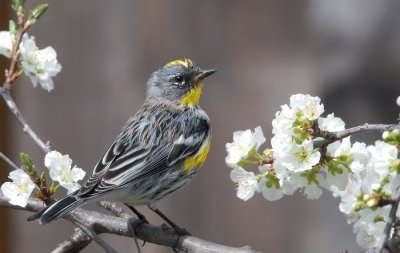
372	203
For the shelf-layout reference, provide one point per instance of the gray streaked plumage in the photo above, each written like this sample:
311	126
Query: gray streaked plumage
146	162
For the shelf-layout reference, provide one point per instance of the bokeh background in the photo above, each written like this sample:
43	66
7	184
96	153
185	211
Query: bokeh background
345	51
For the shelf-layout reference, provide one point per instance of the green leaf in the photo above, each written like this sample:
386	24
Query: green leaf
43	176
17	4
272	181
334	169
311	175
379	218
12	27
36	13
244	163
26	161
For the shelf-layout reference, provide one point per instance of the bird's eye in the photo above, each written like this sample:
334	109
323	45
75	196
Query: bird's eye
178	79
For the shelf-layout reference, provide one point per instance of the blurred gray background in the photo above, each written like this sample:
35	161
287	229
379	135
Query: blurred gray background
345	51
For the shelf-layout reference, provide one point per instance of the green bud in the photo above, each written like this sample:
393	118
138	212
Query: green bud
26	161
36	13
17	4
392	137
54	186
43	176
387	193
366	197
297	130
394	165
357	206
372	203
385	181
12	27
299	115
267	152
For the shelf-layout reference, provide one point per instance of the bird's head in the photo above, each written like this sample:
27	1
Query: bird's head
178	81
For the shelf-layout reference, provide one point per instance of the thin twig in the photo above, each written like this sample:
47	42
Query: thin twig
5	94
12	73
8	161
102	223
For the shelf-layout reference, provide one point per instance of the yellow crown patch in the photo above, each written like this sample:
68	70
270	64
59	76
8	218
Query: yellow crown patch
185	63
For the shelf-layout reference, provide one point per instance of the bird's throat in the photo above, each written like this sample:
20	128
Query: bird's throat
192	97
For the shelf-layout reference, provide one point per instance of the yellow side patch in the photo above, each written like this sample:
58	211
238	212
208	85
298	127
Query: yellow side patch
192	97
195	161
185	63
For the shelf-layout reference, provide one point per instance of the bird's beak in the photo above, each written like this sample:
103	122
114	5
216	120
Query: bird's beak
203	74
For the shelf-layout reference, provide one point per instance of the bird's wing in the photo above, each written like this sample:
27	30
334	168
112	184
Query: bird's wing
125	164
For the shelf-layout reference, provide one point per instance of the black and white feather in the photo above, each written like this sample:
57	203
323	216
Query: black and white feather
145	162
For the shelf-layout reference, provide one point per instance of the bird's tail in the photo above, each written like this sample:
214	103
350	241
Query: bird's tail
57	210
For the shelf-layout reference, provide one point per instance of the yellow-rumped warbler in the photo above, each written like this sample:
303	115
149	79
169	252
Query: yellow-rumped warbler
157	152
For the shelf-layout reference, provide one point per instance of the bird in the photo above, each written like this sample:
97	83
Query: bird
158	151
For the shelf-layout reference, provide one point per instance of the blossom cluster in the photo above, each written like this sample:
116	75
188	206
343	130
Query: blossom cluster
40	65
60	171
302	159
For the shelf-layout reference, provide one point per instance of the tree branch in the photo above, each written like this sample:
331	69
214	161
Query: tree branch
76	242
102	223
330	137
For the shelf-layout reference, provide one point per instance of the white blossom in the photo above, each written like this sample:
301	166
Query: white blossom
349	197
20	189
368	230
331	123
5	43
39	64
60	170
310	107
381	155
340	148
283	121
300	157
280	143
312	190
243	143
398	101
358	174
247	183
339	180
